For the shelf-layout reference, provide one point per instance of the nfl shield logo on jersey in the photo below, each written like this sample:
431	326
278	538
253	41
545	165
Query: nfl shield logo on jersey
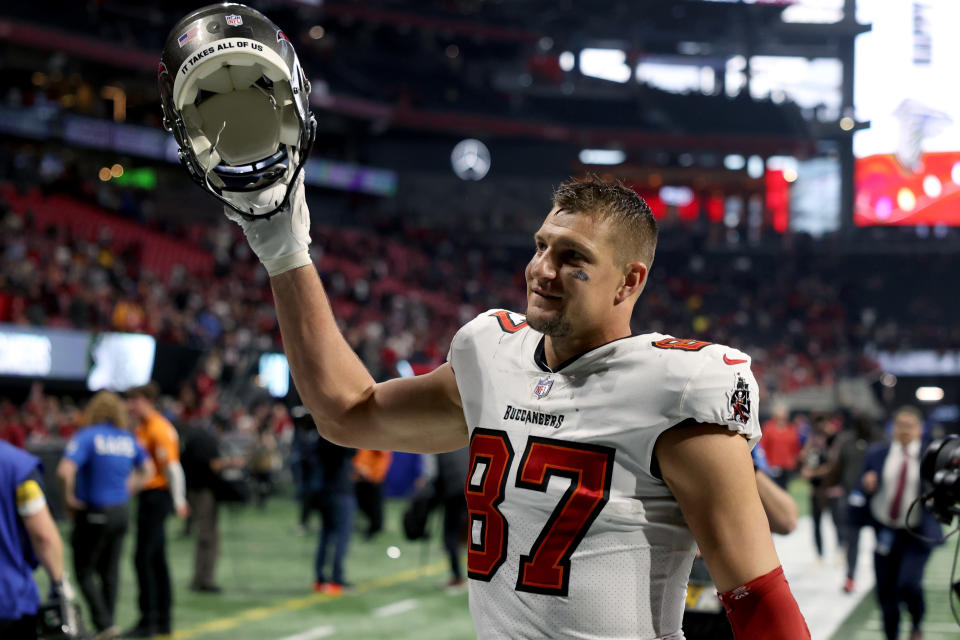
543	388
234	21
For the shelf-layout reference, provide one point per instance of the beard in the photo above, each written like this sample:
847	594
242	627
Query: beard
555	326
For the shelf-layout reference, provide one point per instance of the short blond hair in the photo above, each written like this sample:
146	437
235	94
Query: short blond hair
106	406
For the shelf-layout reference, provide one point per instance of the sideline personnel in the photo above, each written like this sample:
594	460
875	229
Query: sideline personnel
103	462
160	439
25	517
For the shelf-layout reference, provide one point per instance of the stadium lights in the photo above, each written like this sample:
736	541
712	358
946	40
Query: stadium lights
932	186
787	165
929	394
119	98
734	162
567	61
676	196
602	156
317	32
906	199
405	369
755	167
606	64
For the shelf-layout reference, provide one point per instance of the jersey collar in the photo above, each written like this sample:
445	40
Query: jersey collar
540	356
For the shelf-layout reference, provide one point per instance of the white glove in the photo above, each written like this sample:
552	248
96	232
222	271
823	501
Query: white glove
281	242
63	588
62	591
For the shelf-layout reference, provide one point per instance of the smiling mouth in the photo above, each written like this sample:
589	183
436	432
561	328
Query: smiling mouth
545	296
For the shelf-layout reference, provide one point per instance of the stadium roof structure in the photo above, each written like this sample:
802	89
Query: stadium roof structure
496	68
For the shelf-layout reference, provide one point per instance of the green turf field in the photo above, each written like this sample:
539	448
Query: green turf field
865	623
266	571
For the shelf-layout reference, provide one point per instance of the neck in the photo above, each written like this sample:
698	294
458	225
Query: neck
559	350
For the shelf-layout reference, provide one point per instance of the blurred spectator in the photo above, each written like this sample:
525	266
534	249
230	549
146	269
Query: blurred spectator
891	477
263	463
102	464
28	537
781	444
10	428
306	470
371	468
452	470
164	490
848	453
280	422
816	469
202	465
441	484
337	505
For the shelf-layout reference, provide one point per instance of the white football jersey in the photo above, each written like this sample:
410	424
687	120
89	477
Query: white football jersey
572	534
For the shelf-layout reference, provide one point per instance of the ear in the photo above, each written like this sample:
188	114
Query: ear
634	280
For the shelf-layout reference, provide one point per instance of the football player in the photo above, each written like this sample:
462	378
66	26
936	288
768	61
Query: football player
599	459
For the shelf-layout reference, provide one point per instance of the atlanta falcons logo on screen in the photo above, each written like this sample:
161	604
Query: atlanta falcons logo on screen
740	401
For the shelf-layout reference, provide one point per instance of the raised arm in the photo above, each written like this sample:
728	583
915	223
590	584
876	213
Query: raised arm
709	471
420	414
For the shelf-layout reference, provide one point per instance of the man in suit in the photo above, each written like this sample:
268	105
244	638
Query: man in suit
891	477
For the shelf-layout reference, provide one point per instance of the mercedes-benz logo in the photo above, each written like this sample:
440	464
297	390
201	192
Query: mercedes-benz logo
470	159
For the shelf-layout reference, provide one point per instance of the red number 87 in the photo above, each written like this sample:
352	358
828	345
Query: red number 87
546	568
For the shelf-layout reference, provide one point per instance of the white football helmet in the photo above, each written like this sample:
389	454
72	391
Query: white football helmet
237	101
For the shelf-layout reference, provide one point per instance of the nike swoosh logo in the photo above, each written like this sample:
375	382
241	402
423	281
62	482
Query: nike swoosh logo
727	360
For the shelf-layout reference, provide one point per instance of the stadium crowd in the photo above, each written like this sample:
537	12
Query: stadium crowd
806	318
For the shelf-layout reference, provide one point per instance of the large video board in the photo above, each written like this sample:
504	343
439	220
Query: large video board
908	161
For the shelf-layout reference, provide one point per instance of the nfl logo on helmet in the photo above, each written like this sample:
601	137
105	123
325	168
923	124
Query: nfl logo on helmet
543	388
234	21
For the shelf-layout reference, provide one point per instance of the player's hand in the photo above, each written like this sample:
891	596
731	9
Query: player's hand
281	242
74	505
870	481
183	511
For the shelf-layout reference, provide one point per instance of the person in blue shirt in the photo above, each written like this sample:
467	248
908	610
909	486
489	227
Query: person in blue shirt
28	537
102	465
